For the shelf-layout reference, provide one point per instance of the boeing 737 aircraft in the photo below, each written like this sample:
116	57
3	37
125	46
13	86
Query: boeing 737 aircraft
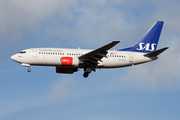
69	61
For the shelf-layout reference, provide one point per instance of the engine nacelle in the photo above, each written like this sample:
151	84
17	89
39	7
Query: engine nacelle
65	70
69	61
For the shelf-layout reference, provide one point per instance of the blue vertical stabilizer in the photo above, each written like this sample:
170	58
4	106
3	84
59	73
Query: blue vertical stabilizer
149	41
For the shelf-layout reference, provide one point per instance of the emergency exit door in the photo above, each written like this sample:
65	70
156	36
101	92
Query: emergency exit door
130	57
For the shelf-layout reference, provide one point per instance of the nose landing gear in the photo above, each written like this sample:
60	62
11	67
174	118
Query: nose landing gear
26	65
29	69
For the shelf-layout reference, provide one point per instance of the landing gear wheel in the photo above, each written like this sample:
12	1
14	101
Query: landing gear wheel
86	74
29	70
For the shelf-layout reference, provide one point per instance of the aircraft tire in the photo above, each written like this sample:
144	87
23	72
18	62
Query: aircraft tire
29	70
86	74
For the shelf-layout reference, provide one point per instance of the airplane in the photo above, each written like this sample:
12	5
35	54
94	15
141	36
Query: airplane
68	61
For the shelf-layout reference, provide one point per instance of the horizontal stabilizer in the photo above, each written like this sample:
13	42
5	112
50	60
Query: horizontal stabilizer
155	53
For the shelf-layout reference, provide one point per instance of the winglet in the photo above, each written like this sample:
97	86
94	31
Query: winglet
156	53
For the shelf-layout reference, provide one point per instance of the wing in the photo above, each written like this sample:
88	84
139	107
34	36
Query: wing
96	55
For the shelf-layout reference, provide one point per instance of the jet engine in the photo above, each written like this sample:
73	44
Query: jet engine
69	61
65	70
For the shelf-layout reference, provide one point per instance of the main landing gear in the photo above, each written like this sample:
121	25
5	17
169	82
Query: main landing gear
86	72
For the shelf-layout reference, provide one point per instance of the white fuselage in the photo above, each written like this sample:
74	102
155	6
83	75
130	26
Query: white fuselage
52	56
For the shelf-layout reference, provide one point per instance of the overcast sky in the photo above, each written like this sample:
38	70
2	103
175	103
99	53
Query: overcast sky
143	92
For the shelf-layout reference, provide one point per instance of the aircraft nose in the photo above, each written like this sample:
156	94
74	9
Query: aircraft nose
13	57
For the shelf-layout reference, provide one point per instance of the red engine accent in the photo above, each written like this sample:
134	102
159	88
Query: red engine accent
66	61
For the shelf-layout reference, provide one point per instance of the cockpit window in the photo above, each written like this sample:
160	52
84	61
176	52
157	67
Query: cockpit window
22	52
